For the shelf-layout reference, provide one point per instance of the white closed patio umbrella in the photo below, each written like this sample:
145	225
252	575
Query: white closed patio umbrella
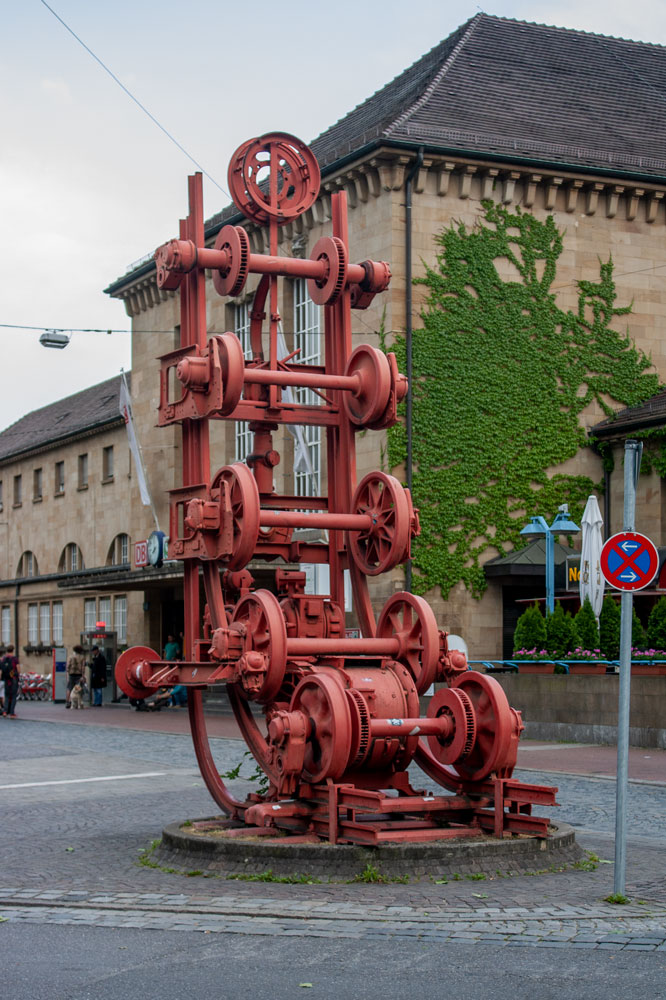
592	582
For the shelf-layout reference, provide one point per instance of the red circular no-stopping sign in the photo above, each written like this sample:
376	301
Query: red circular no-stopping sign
629	561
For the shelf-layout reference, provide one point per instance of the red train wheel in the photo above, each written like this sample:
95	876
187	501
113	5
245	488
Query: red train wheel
127	671
458	743
236	242
232	364
267	635
322	699
371	399
385	543
410	619
332	251
494	747
245	510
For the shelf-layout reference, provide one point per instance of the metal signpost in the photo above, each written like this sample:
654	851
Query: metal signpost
629	562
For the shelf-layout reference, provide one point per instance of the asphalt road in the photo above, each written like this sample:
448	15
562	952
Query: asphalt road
83	918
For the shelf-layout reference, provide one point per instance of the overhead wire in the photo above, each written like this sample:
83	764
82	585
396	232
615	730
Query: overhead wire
135	99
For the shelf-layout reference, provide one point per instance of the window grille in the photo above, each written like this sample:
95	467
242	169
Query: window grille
307	340
244	436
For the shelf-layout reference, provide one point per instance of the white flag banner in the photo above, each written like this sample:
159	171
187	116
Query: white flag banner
125	405
302	460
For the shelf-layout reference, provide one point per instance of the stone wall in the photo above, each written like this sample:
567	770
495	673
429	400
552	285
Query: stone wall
585	708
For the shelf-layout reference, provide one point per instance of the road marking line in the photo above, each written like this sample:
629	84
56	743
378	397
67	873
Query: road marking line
81	781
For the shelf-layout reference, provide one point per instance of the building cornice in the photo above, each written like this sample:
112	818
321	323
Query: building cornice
380	168
54	443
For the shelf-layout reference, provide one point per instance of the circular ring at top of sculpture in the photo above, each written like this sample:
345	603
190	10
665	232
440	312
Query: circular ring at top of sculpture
283	197
410	618
385	543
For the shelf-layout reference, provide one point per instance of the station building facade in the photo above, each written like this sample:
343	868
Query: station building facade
558	124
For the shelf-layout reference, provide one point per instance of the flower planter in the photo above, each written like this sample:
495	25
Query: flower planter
535	668
587	668
648	669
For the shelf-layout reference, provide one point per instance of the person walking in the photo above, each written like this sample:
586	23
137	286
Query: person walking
76	666
97	675
10	674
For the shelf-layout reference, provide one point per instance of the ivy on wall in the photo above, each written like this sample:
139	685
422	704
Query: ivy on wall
501	375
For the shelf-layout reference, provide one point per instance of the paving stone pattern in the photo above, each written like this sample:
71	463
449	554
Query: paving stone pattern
80	845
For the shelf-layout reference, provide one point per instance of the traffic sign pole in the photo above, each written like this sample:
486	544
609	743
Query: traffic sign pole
632	456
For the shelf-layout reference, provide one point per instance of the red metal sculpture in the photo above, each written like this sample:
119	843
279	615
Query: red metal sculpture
342	715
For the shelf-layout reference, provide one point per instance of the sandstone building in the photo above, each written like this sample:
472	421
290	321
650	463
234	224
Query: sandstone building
538	121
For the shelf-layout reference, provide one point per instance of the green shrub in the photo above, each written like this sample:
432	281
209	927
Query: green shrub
530	630
587	627
638	636
561	635
609	628
656	628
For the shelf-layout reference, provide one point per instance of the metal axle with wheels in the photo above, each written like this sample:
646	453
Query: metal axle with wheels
342	715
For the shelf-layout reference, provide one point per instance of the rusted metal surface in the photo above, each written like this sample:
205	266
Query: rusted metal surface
342	718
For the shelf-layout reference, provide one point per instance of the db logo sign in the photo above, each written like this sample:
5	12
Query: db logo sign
140	554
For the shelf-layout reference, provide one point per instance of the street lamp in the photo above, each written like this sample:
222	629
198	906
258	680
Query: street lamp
562	525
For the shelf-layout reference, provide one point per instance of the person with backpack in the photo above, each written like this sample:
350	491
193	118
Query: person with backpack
9	667
76	668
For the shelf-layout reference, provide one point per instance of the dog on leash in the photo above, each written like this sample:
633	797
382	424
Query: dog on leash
76	697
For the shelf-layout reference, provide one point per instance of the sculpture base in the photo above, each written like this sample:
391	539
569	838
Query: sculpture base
217	846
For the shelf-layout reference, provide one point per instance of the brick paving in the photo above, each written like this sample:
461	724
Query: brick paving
79	864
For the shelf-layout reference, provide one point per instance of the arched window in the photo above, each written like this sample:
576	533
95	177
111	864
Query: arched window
119	551
71	559
27	565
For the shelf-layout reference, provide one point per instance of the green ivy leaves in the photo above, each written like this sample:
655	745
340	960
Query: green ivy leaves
501	375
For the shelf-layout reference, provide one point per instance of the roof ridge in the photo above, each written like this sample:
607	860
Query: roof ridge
446	65
573	31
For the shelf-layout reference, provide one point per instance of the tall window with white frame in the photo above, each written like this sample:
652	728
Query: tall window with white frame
307	340
244	436
89	614
33	624
120	619
105	611
6	626
57	623
45	624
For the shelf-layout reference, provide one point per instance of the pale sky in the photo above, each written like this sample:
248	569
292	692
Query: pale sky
88	184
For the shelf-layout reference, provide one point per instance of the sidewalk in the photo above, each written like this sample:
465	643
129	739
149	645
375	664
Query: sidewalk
594	760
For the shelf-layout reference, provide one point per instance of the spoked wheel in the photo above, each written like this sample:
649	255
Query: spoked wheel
322	699
297	184
245	511
385	542
411	620
262	617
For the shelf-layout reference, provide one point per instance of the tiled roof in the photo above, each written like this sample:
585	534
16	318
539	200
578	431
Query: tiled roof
522	90
512	91
84	411
651	413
